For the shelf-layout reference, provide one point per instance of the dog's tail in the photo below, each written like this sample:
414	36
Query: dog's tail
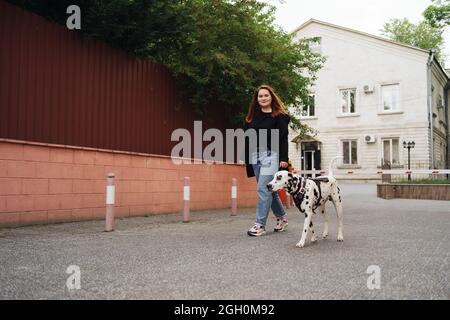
330	169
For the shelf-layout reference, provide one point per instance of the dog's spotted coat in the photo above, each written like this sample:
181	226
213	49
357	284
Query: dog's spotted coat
310	194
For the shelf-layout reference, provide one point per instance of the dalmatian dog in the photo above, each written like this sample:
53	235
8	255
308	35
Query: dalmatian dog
310	194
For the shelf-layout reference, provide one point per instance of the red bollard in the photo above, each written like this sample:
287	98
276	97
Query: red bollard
110	196
233	197
186	198
288	200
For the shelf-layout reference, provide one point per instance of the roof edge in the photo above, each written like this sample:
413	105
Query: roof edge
441	68
327	24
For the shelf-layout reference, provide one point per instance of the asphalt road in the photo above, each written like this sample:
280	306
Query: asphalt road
159	257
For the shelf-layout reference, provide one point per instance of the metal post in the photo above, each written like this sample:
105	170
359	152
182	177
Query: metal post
233	197
110	197
186	199
409	164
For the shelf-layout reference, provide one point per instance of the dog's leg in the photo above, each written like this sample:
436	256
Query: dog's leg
339	211
311	228
308	217
325	216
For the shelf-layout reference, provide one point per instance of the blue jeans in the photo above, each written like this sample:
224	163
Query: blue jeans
265	167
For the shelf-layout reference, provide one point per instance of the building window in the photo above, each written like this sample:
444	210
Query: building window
348	101
390	97
439	102
316	47
391	152
309	109
440	107
349	151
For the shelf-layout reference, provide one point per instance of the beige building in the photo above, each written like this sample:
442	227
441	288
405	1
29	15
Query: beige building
373	94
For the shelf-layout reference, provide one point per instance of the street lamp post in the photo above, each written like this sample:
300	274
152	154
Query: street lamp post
409	145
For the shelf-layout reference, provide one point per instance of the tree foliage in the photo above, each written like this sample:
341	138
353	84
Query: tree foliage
421	35
146	28
219	50
438	14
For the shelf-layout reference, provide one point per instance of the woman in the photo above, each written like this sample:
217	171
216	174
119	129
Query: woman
266	111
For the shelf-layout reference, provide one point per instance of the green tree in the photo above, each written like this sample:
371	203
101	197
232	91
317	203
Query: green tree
234	47
421	35
219	50
438	14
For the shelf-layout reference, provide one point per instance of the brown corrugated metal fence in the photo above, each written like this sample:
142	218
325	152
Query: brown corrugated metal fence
56	87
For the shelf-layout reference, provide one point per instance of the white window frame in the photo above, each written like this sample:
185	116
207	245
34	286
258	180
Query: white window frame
309	116
349	90
390	84
439	102
316	47
350	152
440	107
391	150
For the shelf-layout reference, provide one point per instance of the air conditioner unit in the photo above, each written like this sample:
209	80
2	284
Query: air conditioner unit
370	138
368	89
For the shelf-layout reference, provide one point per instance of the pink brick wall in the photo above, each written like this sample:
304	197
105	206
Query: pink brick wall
42	183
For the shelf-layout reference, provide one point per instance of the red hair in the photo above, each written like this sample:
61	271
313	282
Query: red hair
277	105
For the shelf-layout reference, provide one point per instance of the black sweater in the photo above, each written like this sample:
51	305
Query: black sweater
262	120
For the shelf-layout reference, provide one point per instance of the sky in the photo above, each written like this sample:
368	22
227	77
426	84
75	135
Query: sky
362	15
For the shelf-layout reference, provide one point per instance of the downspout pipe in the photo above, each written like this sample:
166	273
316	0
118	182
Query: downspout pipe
430	105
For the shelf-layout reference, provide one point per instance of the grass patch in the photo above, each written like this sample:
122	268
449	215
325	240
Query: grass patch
424	181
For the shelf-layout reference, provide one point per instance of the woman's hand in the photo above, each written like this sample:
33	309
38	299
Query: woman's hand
283	164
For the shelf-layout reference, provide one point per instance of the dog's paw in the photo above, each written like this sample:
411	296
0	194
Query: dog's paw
340	239
300	245
313	239
325	235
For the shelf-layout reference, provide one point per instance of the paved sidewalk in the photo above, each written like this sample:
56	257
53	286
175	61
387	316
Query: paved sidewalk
159	257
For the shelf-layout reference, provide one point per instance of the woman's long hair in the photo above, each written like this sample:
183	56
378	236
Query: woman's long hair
277	105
